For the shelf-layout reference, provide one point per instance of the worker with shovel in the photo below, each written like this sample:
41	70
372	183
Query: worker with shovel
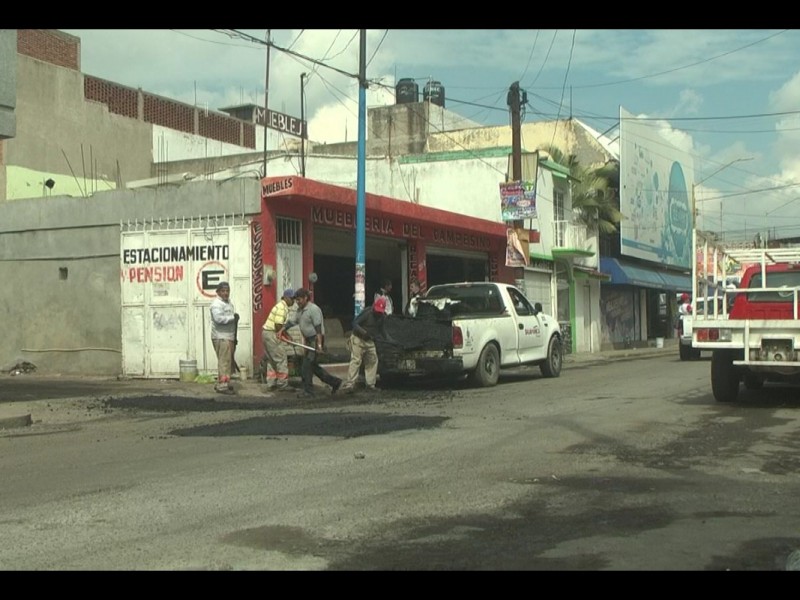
275	353
309	319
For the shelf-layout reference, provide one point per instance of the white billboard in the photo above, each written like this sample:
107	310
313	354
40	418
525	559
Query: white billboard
655	194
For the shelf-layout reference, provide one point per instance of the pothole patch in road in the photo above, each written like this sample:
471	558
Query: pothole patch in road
519	539
294	541
334	424
765	554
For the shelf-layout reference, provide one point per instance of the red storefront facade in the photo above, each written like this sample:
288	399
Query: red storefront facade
322	209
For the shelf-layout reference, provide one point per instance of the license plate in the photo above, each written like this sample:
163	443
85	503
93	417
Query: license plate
408	365
777	350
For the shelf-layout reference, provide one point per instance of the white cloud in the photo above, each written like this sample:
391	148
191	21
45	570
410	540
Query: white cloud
689	103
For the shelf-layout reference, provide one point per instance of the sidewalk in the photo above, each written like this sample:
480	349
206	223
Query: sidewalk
582	358
17	392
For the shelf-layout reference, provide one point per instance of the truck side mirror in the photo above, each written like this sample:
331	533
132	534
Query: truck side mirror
537	308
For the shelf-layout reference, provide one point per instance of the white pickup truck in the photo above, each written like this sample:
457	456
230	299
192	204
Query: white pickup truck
492	326
701	307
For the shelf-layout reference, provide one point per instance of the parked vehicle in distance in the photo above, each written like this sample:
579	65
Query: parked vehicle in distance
700	306
759	340
493	326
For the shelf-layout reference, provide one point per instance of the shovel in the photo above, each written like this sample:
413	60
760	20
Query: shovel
234	366
309	348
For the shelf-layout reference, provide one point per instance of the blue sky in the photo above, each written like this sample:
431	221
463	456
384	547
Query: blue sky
729	97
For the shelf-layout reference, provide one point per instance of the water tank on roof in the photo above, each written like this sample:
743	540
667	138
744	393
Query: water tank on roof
406	91
434	92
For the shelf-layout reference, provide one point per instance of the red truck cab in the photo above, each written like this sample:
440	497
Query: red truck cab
768	305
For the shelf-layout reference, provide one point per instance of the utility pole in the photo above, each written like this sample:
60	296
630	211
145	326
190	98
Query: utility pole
303	133
513	101
516	137
361	201
266	101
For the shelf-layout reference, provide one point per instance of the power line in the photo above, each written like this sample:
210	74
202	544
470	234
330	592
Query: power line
256	40
694	64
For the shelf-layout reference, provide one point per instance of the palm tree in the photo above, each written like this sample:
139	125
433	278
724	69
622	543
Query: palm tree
595	198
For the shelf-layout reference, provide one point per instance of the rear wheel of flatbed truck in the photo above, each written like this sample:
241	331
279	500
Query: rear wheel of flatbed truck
753	381
724	376
687	352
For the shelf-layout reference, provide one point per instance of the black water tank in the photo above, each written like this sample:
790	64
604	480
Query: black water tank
434	92
406	91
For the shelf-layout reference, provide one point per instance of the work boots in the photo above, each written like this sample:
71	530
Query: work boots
224	386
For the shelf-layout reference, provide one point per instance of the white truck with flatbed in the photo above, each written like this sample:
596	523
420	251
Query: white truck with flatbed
492	326
758	339
685	324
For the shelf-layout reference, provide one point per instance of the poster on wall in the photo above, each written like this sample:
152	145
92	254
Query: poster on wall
617	311
518	200
656	178
517	245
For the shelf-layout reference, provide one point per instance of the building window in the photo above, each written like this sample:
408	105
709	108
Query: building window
558	217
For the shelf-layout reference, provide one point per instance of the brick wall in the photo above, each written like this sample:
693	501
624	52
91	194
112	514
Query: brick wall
168	113
62	49
50	45
249	137
120	100
220	127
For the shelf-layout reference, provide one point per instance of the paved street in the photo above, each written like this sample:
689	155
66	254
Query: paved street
623	464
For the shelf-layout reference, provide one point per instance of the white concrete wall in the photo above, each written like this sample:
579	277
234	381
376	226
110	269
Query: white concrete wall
61	304
170	145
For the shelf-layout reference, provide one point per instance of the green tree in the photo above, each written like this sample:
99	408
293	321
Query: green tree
595	192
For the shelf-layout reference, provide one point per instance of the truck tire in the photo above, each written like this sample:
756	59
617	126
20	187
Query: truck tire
551	367
487	372
392	381
724	376
688	353
753	381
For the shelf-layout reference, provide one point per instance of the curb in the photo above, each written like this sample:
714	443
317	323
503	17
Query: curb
15	422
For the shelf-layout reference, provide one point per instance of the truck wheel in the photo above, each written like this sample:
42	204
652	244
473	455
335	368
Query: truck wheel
685	351
753	381
391	381
724	376
695	354
487	372
551	367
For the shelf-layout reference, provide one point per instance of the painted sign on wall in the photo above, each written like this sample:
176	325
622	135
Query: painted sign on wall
655	180
168	280
331	217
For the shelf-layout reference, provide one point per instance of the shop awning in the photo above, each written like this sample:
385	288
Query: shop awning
676	282
588	272
623	273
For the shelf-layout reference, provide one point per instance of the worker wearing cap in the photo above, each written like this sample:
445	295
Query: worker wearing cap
686	306
277	367
309	320
366	326
224	320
